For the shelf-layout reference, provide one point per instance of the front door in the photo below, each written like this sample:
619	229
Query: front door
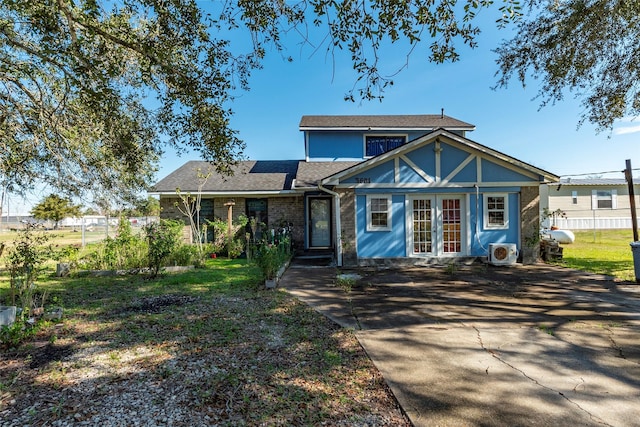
436	226
451	225
423	226
319	222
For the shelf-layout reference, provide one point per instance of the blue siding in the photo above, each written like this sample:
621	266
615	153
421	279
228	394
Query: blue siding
325	145
509	235
381	244
451	157
335	145
468	174
408	174
416	134
393	243
381	174
425	158
492	172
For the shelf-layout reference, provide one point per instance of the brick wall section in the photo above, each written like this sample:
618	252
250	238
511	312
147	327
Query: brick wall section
348	225
168	210
288	210
220	210
530	225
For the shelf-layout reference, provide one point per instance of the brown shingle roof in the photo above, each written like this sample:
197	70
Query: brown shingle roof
310	173
418	121
263	175
252	176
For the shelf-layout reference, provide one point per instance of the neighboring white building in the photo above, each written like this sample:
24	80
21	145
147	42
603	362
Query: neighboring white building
590	203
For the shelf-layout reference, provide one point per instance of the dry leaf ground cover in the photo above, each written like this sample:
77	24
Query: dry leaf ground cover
208	347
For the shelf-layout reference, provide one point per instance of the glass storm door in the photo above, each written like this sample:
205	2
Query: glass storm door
451	225
422	219
320	222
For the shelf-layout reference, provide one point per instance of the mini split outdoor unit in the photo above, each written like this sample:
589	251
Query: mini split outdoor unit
503	253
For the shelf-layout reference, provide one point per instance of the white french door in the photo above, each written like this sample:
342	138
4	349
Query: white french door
423	226
451	225
436	225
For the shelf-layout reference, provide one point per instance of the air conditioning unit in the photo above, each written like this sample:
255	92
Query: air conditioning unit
503	253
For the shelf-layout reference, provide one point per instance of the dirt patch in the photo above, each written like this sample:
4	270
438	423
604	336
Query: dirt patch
50	353
156	304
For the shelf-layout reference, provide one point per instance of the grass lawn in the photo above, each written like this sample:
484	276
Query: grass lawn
221	345
608	252
66	236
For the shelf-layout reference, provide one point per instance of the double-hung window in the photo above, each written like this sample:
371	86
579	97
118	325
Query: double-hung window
604	199
378	144
379	212
496	211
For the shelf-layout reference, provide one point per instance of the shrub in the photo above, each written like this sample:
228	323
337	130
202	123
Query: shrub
270	257
184	255
25	260
163	238
15	333
124	252
221	243
112	254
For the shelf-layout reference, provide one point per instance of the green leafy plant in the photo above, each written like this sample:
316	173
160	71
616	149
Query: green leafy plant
552	215
270	257
163	237
14	334
184	255
346	282
269	260
221	243
451	268
25	261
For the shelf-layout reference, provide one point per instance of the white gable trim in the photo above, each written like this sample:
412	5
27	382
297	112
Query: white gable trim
439	184
416	168
483	152
461	166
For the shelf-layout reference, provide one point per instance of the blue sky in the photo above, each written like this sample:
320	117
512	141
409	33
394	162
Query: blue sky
508	120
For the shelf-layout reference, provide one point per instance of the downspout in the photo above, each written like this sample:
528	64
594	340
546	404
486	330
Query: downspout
336	204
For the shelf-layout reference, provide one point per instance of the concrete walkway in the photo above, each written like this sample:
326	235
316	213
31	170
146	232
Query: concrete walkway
489	346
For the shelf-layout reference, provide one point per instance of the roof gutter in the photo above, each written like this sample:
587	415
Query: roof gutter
336	204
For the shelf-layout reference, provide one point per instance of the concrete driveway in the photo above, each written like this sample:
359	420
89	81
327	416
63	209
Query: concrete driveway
489	346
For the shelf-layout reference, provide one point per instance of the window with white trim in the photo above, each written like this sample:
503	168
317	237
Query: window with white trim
496	211
574	197
604	199
378	144
379	213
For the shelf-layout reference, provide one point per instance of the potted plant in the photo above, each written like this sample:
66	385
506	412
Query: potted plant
553	215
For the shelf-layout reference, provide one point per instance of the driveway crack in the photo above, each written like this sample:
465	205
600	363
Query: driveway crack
354	313
615	345
496	355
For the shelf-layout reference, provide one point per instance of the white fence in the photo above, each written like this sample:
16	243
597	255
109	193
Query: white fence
602	223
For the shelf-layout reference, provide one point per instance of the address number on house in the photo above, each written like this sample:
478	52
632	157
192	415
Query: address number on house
363	180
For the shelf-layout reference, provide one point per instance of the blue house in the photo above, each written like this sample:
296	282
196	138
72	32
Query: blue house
385	189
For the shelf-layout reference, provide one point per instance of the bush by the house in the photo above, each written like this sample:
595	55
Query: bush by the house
221	244
271	254
163	238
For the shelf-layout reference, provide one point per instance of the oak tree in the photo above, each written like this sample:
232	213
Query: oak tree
55	208
93	91
583	48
